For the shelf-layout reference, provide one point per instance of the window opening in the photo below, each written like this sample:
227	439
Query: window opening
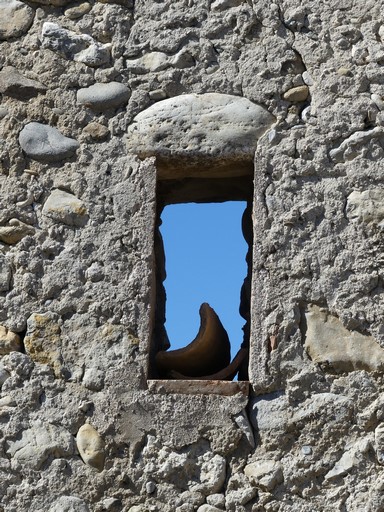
205	254
203	351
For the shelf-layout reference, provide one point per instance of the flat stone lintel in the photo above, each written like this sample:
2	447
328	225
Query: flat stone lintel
199	387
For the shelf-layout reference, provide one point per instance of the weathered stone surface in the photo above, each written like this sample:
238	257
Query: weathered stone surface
270	412
64	207
78	47
243	423
91	447
15	19
329	343
13	83
353	145
45	143
42	340
93	379
15	231
96	131
69	504
265	473
9	341
39	443
194	127
379	443
102	96
239	491
5	274
4	375
319	406
367	206
352	457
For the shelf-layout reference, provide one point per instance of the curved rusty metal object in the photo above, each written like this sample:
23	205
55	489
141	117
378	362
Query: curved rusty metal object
227	373
207	354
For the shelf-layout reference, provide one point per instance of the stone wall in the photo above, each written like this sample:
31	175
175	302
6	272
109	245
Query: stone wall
99	100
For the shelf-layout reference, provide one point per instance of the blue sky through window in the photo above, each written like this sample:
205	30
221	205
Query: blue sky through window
205	262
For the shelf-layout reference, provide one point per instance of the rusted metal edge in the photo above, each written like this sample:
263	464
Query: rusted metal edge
199	387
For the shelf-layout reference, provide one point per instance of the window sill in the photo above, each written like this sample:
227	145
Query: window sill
199	387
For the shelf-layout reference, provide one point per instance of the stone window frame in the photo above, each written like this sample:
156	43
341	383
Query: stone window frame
234	182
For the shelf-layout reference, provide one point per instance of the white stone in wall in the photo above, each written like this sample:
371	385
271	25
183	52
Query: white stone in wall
367	206
199	126
64	207
78	47
15	18
327	341
45	143
158	61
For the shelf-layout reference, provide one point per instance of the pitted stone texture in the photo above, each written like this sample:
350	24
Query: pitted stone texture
69	504
42	340
194	128
64	207
329	343
9	341
45	143
91	446
39	443
102	96
15	19
78	47
13	83
367	206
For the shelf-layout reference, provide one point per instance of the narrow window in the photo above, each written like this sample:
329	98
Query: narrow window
202	223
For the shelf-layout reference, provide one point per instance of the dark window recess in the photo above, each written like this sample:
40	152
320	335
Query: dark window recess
207	357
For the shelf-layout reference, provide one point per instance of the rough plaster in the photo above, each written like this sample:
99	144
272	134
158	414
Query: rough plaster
79	429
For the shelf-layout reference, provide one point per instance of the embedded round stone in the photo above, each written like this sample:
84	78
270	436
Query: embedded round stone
91	447
199	130
103	96
15	19
45	143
